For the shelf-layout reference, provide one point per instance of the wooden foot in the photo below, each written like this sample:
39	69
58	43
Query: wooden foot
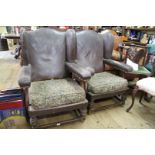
124	97
133	98
90	106
141	97
147	97
33	122
83	114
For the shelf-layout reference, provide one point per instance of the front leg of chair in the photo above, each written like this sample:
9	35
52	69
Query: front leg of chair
33	122
133	98
147	97
90	106
26	101
124	97
83	114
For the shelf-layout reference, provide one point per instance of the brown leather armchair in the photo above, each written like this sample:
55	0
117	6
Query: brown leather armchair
93	52
45	79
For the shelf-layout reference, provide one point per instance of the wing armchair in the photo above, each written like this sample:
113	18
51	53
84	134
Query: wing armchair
45	79
93	51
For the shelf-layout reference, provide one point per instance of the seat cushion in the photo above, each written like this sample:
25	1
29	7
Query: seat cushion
147	85
102	83
50	93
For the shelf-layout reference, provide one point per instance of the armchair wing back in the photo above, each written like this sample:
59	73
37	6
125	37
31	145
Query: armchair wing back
45	50
108	41
93	47
90	49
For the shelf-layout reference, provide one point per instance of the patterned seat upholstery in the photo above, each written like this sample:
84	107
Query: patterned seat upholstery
103	83
51	93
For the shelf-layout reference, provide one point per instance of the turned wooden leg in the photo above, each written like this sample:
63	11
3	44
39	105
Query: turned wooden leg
33	122
141	97
90	106
133	98
124	97
83	114
147	97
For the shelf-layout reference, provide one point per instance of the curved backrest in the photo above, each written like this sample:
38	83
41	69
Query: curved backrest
45	50
137	54
71	45
108	41
90	49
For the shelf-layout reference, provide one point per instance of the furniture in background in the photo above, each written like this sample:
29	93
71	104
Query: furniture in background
119	30
138	35
146	85
118	53
49	90
137	54
18	48
3	44
150	62
93	51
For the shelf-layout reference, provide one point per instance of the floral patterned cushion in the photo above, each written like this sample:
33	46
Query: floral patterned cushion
102	83
50	93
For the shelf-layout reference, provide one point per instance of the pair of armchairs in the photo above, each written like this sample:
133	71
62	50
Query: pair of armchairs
64	72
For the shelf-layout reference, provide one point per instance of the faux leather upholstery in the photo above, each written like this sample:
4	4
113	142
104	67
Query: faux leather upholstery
118	65
90	49
108	41
25	76
45	51
71	45
80	71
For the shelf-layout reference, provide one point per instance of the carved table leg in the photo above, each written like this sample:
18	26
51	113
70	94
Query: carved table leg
133	98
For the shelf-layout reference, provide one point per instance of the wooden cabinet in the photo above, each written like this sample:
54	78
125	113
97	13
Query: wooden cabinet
140	36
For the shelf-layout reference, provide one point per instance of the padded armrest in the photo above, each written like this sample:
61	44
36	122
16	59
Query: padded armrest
118	65
79	70
25	76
